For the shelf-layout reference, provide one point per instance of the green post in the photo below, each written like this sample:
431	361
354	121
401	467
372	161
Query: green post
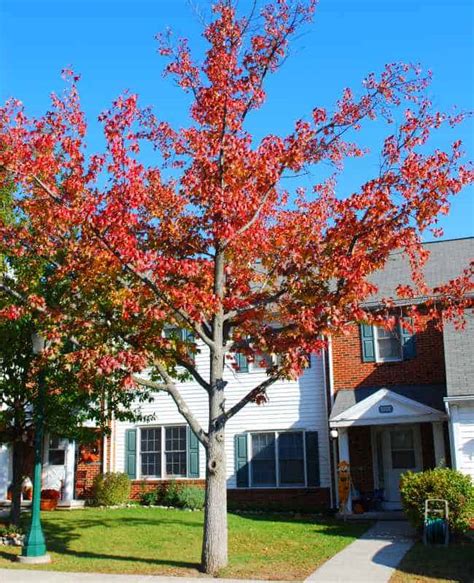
34	548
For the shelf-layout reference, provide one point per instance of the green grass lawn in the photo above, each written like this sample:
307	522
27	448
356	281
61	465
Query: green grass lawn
168	542
425	564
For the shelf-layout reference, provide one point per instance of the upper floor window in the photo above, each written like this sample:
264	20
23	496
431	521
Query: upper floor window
382	345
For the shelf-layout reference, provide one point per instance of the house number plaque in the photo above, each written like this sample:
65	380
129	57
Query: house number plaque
386	409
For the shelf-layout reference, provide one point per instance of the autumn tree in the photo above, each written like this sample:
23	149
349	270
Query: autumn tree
209	239
68	409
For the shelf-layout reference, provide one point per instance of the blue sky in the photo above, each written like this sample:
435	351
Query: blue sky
111	44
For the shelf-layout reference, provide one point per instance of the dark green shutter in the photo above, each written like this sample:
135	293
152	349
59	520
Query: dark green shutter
312	458
193	454
408	340
131	453
241	461
367	343
242	363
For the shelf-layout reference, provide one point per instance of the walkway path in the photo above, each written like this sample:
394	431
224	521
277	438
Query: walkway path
370	559
24	576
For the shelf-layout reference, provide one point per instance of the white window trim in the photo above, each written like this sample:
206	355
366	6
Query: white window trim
276	432
379	358
164	476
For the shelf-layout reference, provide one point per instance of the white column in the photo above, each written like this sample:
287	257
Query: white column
69	471
343	442
438	442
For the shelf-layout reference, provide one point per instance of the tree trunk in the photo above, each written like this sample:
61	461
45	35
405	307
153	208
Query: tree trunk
18	462
214	549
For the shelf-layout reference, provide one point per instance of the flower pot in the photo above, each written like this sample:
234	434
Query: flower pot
48	504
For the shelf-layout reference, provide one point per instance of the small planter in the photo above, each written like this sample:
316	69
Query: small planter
48	504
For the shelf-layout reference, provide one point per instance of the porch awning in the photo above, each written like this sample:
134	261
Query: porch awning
382	405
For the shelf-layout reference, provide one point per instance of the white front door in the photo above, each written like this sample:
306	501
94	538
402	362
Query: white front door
401	452
54	467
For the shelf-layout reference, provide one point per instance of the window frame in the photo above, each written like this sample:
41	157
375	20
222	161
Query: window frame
164	475
139	450
276	433
61	447
379	358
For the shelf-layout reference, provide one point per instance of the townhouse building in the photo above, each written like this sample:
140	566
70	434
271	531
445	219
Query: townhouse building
383	401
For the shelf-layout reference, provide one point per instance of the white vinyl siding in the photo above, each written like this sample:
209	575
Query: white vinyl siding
462	416
292	405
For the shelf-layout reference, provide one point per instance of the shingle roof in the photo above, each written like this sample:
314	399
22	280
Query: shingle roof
447	260
459	358
431	395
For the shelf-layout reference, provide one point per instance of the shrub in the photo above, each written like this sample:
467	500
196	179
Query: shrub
149	498
191	497
49	494
169	497
111	489
9	529
450	485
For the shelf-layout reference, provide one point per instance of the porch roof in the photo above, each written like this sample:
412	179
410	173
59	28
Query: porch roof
382	405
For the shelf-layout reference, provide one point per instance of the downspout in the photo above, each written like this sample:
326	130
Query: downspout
325	390
332	440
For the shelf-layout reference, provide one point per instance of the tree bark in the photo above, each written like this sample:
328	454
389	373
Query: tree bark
214	549
17	480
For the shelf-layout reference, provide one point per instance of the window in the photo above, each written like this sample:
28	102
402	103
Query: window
381	345
175	451
165	452
403	449
263	459
150	448
387	344
261	362
57	451
291	459
277	459
181	335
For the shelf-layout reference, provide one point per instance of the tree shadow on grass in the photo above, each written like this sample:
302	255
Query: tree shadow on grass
60	535
454	562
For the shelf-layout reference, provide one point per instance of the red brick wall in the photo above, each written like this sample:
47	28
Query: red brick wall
360	452
87	469
141	486
426	368
299	499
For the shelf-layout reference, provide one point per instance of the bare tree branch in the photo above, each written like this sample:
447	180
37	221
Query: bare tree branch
169	387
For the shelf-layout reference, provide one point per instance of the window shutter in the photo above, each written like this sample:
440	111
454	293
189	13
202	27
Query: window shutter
312	458
131	453
242	362
241	461
408	340
367	342
193	454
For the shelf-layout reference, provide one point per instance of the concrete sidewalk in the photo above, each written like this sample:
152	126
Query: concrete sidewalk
36	576
370	559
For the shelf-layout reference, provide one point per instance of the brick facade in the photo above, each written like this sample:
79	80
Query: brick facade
88	466
350	372
291	499
139	487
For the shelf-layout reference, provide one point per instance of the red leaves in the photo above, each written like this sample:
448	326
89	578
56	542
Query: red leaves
133	249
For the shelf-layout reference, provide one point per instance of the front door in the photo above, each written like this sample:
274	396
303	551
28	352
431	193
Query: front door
54	468
401	452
